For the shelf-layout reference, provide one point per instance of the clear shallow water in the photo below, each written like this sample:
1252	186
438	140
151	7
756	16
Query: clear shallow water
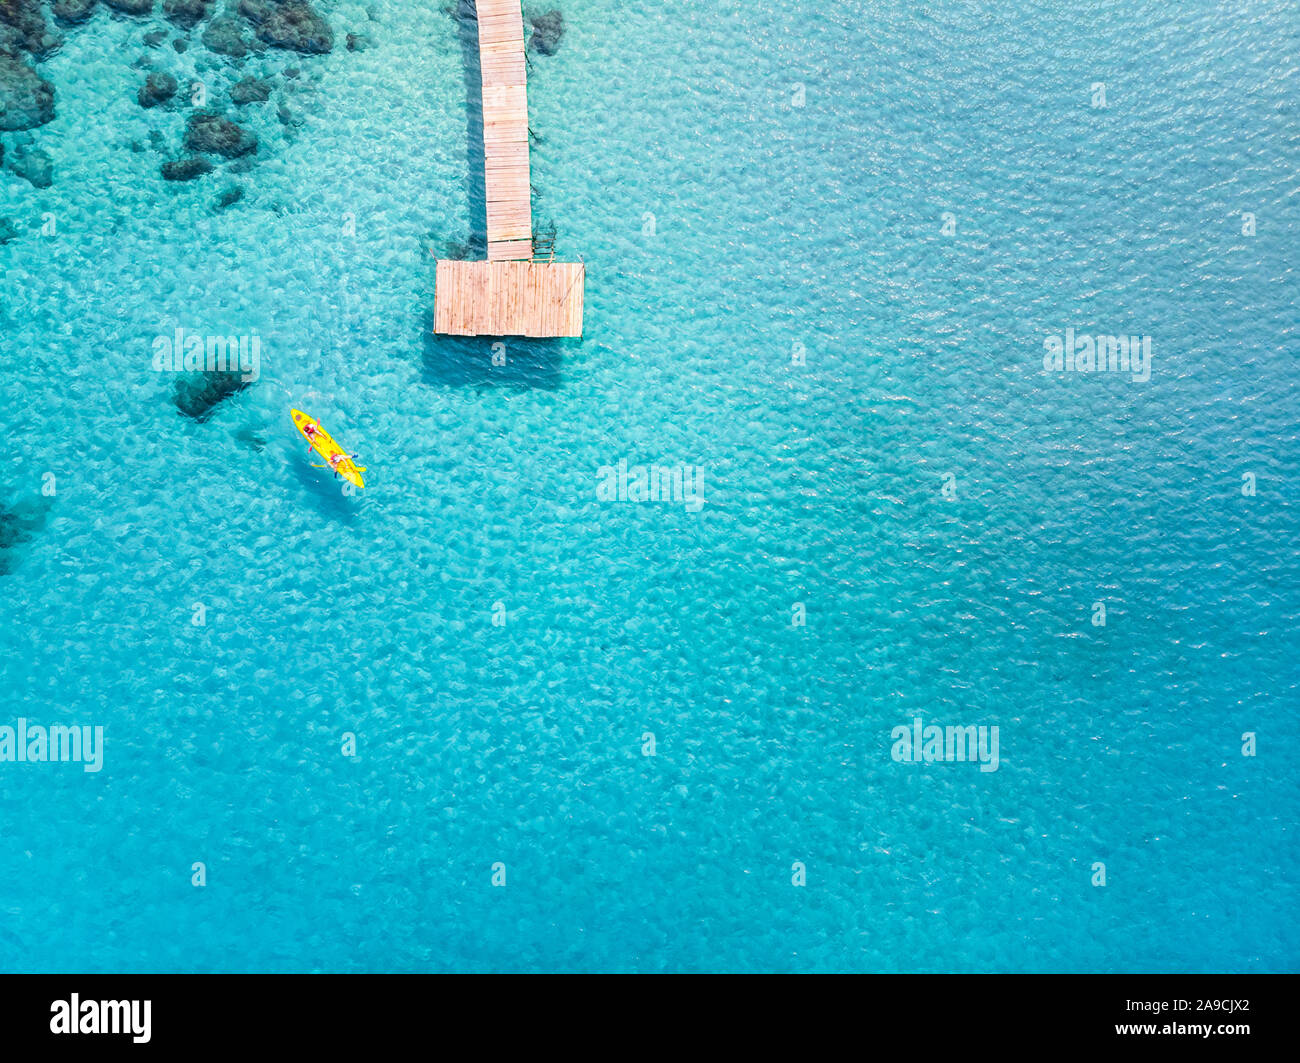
773	225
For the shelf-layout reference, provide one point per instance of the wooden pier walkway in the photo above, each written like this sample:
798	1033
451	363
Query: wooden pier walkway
505	129
509	294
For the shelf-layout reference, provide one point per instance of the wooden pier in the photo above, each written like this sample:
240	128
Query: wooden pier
509	294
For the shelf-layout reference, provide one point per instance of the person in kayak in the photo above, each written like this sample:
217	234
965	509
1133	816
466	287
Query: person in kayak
336	460
310	431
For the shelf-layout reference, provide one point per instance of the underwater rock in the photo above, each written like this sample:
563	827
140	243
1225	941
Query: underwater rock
31	164
180	44
211	133
228	198
358	42
548	28
131	7
250	90
19	524
7	231
256	11
154	38
197	397
23	28
157	88
225	36
186	169
26	98
73	12
296	25
186	13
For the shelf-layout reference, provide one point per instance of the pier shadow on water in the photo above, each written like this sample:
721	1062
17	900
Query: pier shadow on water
466	16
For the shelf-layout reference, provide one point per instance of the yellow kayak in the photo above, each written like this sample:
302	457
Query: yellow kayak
338	460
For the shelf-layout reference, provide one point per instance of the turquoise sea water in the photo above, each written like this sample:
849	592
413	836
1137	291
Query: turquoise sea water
745	182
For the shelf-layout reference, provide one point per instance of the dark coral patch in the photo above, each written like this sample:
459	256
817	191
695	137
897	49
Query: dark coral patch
225	36
548	29
23	29
297	26
73	12
215	135
19	525
249	90
157	88
186	13
199	395
186	169
131	7
26	98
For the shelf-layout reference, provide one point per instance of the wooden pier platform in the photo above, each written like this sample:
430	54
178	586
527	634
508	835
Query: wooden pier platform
488	298
509	294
